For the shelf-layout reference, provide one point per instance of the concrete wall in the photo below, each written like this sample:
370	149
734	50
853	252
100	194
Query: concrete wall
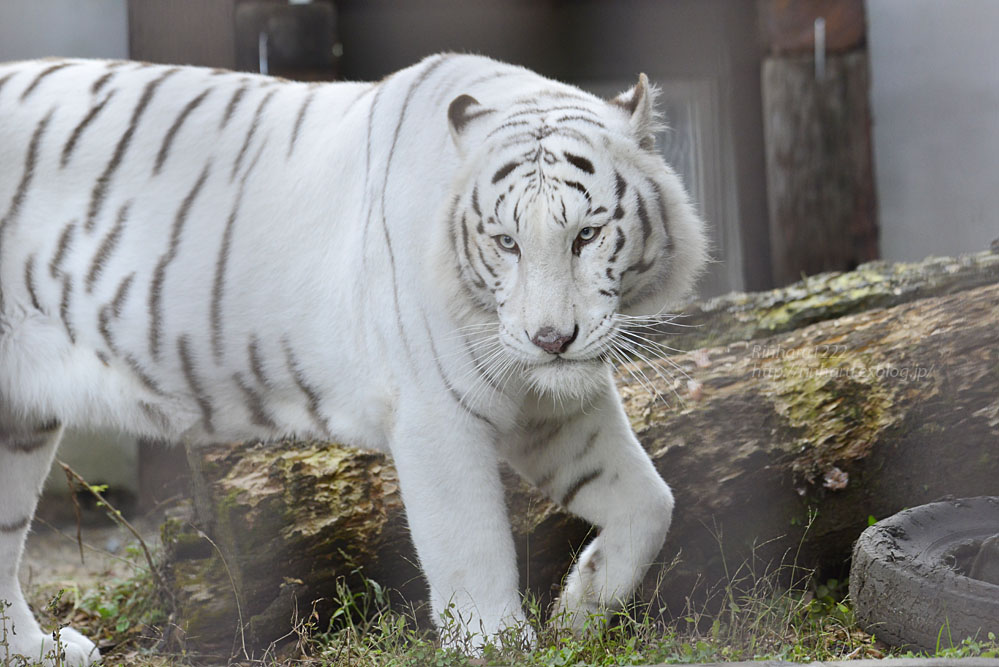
84	28
935	101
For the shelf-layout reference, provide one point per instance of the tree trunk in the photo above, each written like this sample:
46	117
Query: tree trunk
825	425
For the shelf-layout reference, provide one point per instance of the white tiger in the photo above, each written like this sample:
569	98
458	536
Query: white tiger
438	265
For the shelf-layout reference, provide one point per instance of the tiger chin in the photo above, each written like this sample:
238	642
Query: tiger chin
442	265
568	380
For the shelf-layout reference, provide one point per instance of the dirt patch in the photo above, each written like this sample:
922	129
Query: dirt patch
52	557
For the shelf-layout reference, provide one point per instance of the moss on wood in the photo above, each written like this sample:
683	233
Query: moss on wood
282	517
751	316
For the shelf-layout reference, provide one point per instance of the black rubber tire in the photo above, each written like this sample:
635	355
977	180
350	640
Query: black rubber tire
905	588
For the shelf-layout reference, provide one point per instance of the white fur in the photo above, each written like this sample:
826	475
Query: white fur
349	303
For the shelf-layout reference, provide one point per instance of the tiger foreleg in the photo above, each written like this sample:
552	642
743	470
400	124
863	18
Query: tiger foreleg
451	488
633	507
25	457
596	468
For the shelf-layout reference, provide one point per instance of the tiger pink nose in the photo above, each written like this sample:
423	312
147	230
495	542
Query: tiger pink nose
552	341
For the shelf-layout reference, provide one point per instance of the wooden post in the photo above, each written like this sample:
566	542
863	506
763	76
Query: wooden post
816	114
183	32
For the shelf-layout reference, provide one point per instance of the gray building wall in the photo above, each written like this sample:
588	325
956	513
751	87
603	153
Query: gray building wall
82	28
935	103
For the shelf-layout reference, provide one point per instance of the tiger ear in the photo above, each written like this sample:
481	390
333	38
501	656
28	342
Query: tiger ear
640	103
462	113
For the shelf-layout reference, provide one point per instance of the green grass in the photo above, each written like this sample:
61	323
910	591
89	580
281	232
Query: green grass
744	621
751	617
752	620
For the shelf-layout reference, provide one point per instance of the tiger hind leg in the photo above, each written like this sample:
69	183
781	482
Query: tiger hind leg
25	457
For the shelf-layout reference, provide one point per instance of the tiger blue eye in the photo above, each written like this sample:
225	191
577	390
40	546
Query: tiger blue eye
506	242
587	233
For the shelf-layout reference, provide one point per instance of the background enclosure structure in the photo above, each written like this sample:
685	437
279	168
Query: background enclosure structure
704	54
932	91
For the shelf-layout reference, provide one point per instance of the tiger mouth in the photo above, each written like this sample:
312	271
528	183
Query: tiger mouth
560	361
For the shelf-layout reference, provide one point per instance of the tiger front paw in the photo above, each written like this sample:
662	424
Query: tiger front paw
64	648
579	608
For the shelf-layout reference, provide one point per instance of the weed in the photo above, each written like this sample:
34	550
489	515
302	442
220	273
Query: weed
970	647
53	656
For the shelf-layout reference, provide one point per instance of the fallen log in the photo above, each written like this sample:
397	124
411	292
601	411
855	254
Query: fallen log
778	445
880	284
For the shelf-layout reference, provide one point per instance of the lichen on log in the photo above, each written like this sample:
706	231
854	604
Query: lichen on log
841	420
881	284
285	520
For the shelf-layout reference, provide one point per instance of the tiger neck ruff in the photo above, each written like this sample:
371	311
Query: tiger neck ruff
442	265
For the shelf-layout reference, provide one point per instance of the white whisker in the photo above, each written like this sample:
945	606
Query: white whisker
629	366
669	380
483	366
653	349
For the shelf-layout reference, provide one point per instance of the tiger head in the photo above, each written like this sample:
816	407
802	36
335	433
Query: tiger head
568	225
